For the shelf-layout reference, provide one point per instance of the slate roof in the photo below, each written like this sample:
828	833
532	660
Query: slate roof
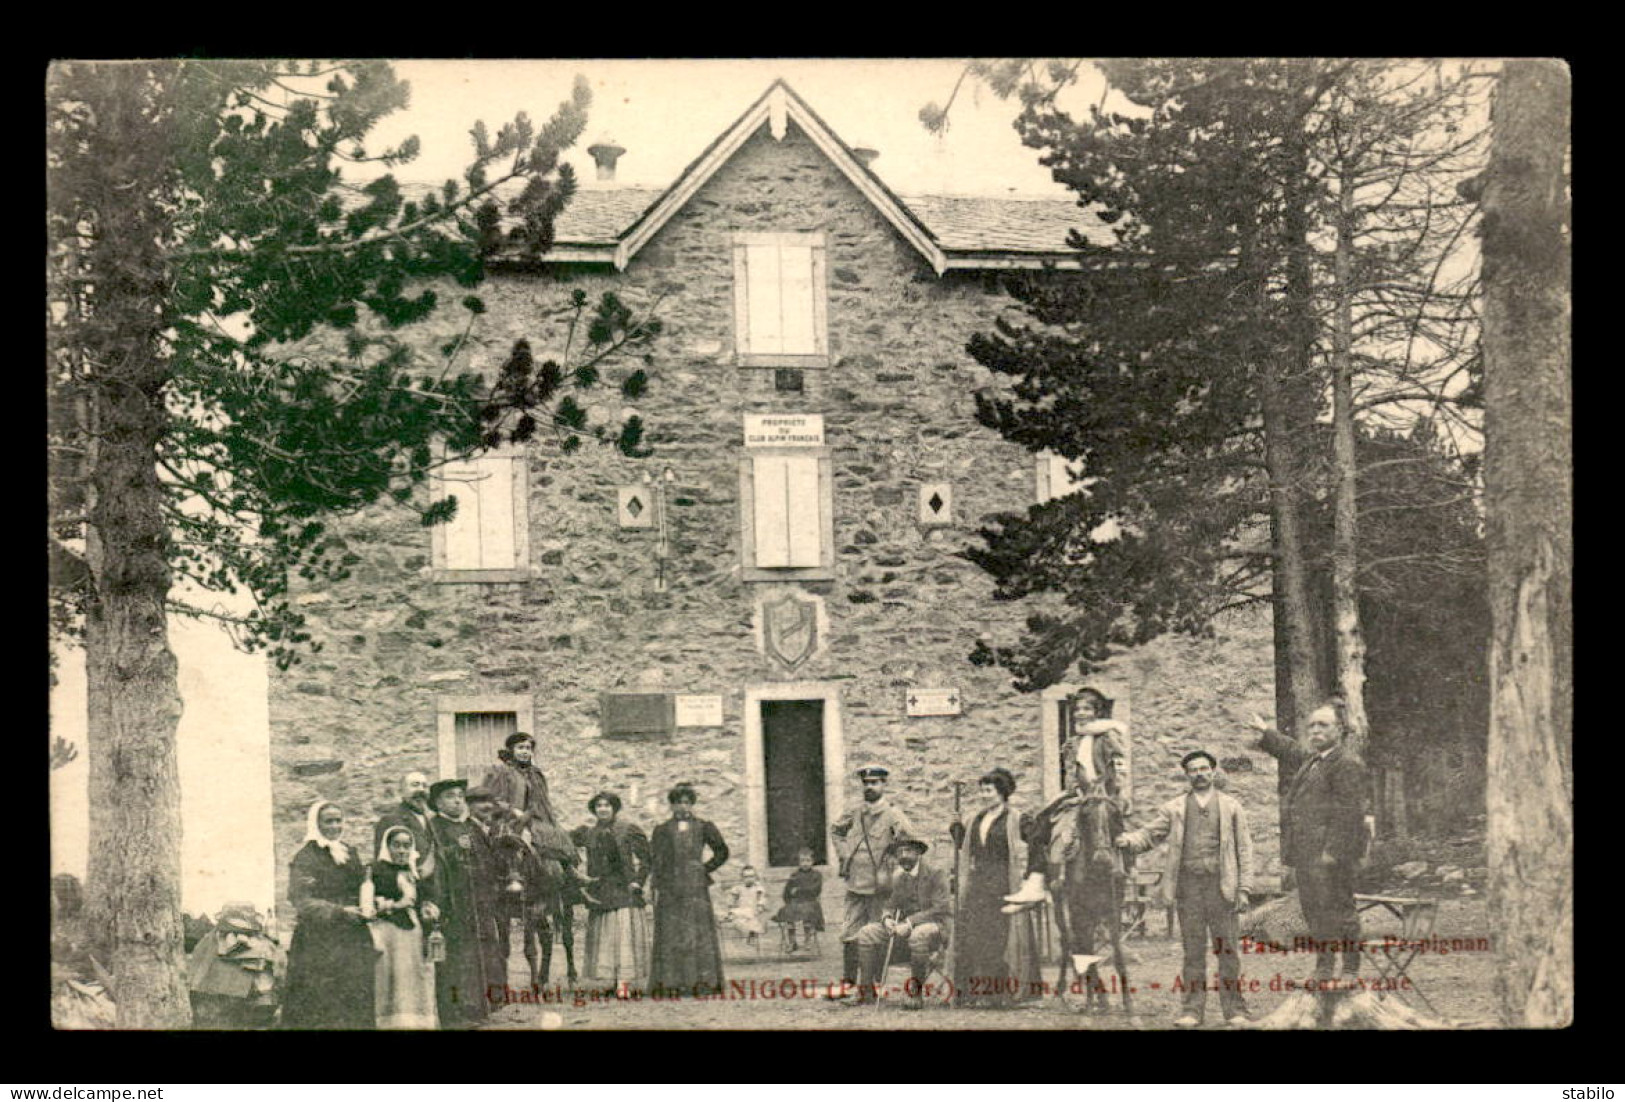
957	222
610	224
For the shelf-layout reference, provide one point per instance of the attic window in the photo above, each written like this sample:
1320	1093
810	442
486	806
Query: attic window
780	300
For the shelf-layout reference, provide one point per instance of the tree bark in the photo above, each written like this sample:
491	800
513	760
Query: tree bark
1529	498
133	695
1349	636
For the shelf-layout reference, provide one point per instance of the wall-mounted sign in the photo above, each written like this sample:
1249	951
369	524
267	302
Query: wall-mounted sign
784	430
937	503
635	506
933	702
699	711
635	715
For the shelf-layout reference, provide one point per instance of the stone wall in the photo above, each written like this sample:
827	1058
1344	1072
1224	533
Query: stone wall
902	611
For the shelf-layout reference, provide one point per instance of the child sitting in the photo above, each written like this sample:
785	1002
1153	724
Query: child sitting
801	899
747	904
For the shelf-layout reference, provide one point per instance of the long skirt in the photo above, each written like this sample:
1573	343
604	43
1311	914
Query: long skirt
687	958
618	946
330	975
404	987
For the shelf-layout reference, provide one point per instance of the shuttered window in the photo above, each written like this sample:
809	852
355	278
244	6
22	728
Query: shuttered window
1055	476
780	299
788	506
469	730
786	495
488	538
479	736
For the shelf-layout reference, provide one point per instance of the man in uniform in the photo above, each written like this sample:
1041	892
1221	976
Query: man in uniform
413	813
1324	834
917	912
1097	755
863	839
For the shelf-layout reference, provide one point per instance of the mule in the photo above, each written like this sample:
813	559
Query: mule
535	890
1088	879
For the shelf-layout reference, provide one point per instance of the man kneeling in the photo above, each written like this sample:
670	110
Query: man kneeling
917	913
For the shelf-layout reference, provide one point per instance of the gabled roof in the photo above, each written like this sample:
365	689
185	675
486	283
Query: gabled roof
610	225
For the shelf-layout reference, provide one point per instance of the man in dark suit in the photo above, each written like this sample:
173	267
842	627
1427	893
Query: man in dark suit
413	813
1324	834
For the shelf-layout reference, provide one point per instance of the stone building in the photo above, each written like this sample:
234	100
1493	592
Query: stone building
774	598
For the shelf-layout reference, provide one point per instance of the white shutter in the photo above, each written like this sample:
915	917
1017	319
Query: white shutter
764	325
483	535
788	527
796	300
801	494
463	530
771	506
779	294
496	491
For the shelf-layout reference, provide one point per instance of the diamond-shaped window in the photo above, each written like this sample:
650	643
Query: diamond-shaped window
936	503
634	506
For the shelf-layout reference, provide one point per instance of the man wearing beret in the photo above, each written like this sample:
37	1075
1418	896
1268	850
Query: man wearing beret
918	912
1206	876
863	839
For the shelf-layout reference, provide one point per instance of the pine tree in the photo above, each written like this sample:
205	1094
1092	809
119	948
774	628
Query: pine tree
200	228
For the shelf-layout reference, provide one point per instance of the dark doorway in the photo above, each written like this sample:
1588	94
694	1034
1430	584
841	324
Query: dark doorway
793	752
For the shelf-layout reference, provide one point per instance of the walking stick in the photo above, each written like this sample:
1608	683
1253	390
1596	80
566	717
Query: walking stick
891	943
951	957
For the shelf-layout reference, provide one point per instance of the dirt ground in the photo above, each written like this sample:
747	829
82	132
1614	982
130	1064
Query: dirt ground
771	991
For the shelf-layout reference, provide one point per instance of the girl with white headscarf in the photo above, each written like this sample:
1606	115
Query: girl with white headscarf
392	901
330	960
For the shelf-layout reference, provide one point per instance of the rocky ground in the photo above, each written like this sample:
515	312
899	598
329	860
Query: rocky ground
774	992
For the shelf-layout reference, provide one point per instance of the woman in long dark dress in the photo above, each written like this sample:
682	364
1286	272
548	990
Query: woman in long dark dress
997	959
617	865
687	956
330	962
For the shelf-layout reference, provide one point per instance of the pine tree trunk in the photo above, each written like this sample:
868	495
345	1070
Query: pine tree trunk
1529	498
134	702
1349	636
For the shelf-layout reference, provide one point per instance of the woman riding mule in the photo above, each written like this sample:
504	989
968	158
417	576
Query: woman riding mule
1073	849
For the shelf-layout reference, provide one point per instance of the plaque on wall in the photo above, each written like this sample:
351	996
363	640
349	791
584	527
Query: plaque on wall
933	702
636	715
699	711
784	430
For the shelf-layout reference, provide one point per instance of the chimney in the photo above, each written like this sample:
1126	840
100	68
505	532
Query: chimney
865	156
605	153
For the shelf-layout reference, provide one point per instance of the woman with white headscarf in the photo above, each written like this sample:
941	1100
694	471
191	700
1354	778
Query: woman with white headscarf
392	900
330	961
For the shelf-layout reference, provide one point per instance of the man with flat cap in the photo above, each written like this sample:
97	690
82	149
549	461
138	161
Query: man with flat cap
1206	876
485	817
466	920
918	913
863	840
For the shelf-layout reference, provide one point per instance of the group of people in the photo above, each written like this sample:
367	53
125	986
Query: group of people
898	905
413	933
